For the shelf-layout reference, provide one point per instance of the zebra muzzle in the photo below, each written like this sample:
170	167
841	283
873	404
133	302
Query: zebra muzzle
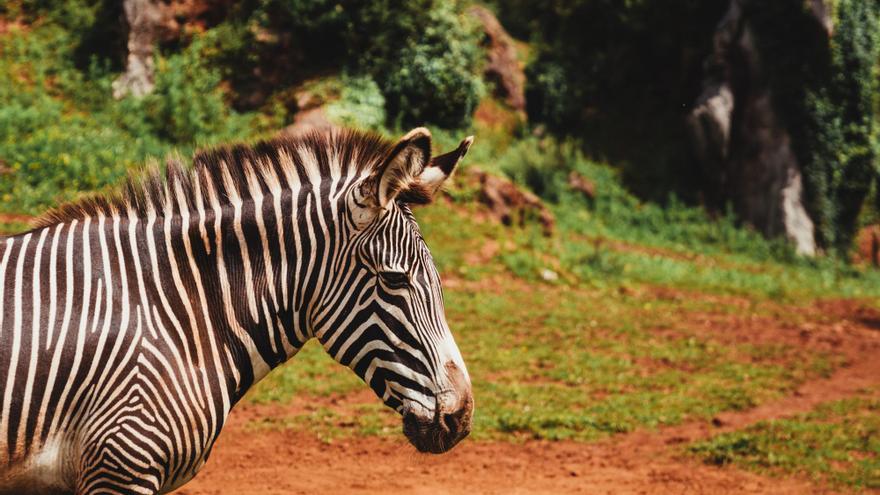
450	421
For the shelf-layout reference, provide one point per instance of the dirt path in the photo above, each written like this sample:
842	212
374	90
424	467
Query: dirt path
248	461
287	462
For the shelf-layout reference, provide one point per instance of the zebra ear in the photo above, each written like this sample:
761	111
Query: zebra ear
403	164
441	167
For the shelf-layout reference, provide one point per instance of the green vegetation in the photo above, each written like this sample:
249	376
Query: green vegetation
617	74
837	442
423	54
615	238
61	134
616	321
546	371
607	356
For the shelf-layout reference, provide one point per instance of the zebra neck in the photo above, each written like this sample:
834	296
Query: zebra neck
251	271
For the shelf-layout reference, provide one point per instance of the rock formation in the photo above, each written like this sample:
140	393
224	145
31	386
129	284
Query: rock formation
503	66
743	147
144	18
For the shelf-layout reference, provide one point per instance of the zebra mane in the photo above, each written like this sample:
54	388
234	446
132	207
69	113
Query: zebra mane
230	172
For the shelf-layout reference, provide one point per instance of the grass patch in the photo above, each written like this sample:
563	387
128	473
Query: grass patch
838	442
591	364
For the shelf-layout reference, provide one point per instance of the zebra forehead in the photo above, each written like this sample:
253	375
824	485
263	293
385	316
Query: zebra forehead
236	171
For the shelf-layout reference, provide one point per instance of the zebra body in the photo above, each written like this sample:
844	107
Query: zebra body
130	326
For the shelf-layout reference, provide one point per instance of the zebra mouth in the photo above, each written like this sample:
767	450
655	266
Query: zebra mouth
437	434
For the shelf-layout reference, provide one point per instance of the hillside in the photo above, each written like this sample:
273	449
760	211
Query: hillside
626	331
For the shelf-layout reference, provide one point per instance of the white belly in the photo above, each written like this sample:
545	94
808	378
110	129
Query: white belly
41	473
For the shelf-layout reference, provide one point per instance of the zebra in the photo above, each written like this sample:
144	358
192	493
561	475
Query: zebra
132	322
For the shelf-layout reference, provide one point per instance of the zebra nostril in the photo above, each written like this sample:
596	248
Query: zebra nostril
451	423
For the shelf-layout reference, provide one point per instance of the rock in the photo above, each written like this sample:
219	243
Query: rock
144	18
503	67
509	204
748	160
314	119
868	246
582	185
823	12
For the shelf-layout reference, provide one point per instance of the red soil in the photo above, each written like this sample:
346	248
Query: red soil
254	461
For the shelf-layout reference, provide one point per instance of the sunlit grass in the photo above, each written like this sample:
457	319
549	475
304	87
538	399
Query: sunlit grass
838	442
558	362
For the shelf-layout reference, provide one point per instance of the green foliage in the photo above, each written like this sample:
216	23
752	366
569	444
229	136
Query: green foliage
615	238
423	54
619	74
838	442
187	104
433	79
360	104
544	166
62	134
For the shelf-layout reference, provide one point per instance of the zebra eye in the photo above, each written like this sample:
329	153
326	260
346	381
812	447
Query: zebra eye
395	280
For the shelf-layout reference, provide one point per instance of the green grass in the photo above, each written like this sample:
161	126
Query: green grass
838	442
9	228
572	359
591	364
587	353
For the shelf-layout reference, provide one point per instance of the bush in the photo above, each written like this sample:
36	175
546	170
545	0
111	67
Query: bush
544	167
620	75
187	105
61	133
422	54
433	79
360	104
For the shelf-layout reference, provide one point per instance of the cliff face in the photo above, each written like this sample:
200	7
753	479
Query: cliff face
143	18
739	139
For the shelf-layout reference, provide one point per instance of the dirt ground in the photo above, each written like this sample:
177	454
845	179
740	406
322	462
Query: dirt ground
251	461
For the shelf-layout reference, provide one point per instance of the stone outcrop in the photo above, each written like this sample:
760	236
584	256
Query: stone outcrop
503	66
581	184
151	22
310	114
509	204
744	150
868	246
144	18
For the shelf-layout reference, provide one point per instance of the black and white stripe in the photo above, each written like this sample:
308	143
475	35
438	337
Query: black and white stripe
131	325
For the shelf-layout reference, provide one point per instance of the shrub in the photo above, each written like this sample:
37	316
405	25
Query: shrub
360	104
61	133
433	79
618	75
423	54
544	167
187	104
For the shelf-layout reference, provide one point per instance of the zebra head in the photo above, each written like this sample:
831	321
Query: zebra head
391	327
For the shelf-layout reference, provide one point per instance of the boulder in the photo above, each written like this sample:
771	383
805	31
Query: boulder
508	203
868	246
144	18
503	66
313	119
748	160
581	184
